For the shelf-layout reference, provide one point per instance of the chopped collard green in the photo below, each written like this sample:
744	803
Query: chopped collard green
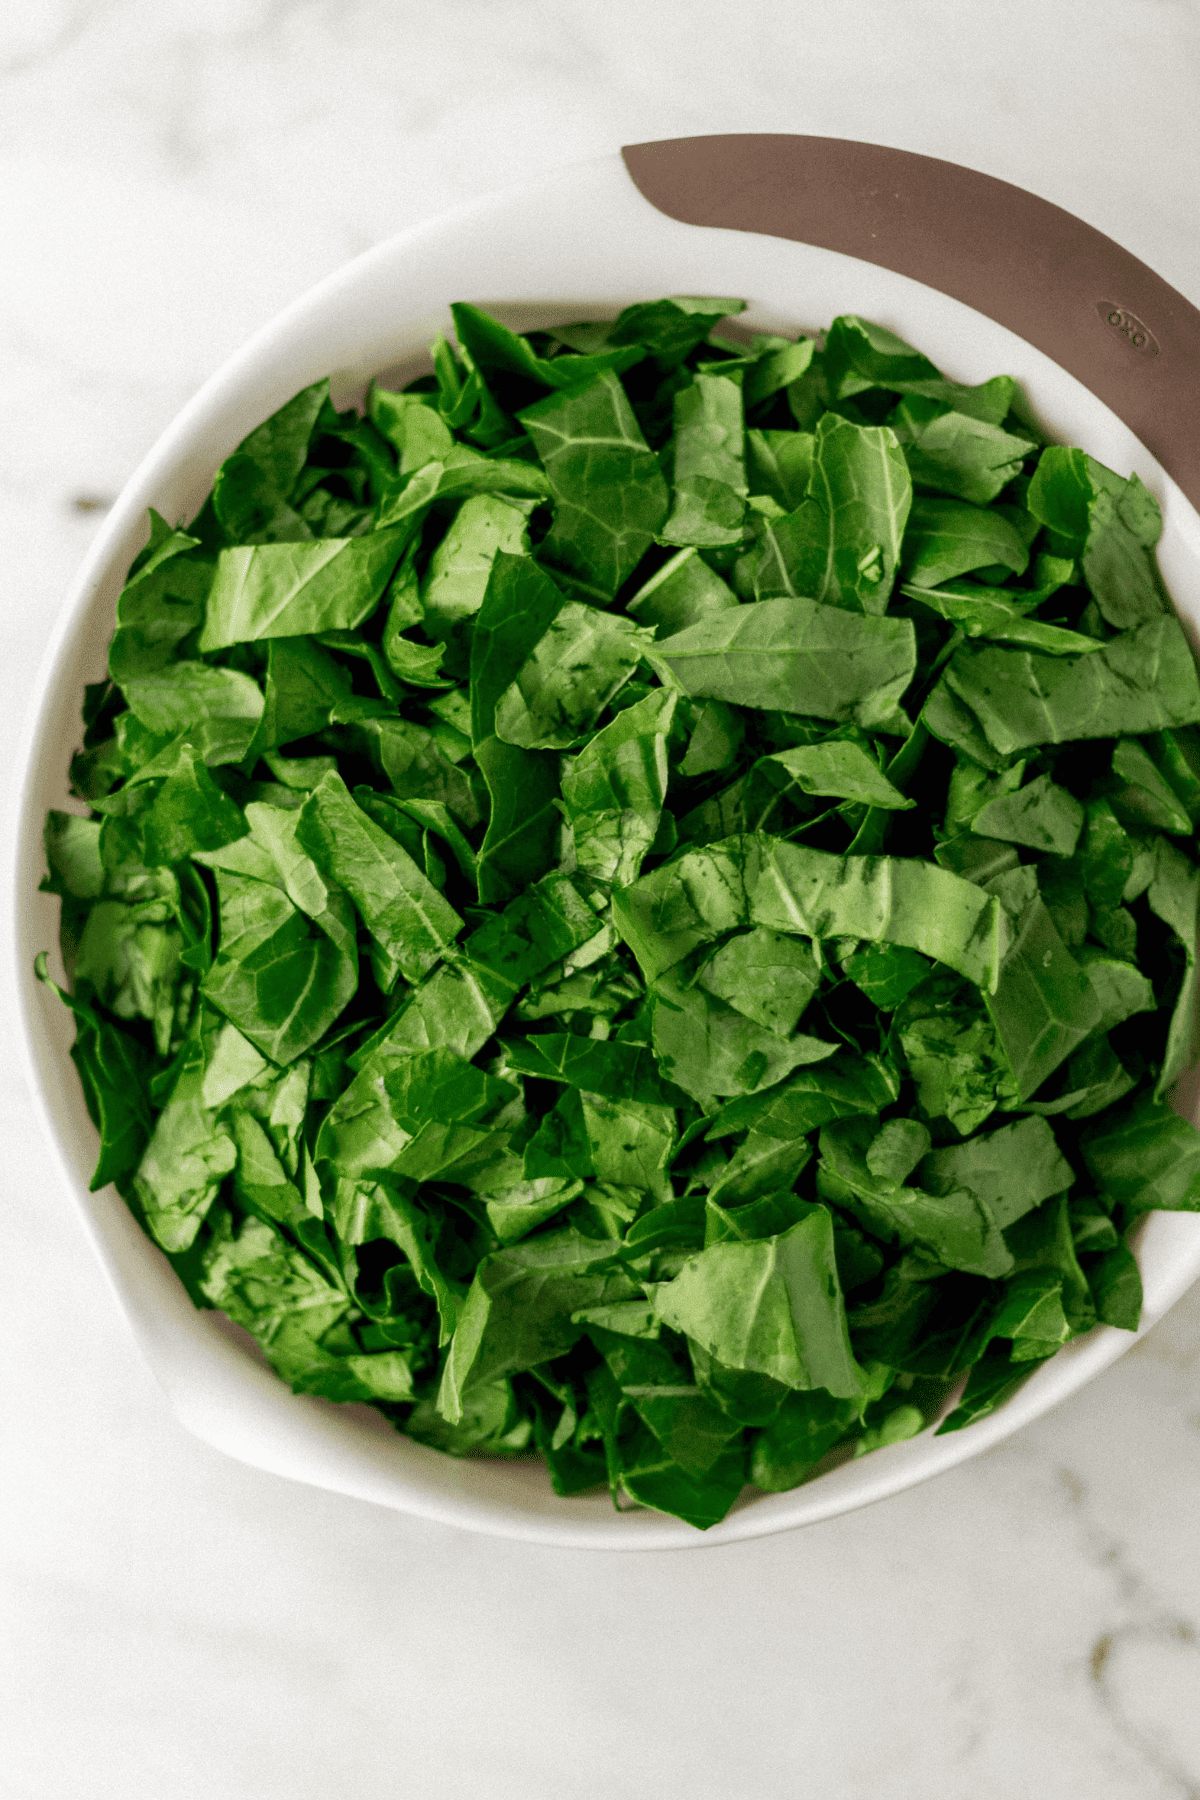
635	901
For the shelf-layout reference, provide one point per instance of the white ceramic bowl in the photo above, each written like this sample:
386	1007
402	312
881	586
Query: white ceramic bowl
582	243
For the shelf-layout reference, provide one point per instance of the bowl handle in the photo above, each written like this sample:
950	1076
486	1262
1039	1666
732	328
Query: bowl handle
1061	285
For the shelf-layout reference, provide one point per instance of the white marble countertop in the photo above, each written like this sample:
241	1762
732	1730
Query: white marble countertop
181	1627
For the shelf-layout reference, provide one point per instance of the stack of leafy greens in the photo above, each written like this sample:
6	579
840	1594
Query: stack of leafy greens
636	899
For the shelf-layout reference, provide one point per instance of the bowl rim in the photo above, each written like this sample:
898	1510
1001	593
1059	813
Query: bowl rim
877	1477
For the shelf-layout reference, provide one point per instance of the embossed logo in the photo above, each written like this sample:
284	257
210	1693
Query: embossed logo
1128	326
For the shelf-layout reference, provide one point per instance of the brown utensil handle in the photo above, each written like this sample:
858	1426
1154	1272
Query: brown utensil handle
1065	288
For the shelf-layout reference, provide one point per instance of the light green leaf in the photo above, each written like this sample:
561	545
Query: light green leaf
797	656
842	768
285	590
1041	814
773	1307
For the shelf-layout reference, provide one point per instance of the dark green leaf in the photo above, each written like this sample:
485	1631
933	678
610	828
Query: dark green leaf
805	1427
1011	1170
860	355
708	501
768	976
707	1047
668	329
956	1225
652	1478
113	1072
494	346
517	1313
886	973
843	543
459	569
981	612
609	496
994	1379
1174	894
1143	680
945	538
1041	814
953	453
844	769
779	463
681	593
520	603
1145	1157
618	1071
1113	523
1116	1284
523	824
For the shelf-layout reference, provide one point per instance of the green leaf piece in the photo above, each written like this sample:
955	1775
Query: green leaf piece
186	694
779	463
494	347
681	593
614	789
519	605
707	1047
609	495
945	538
669	329
409	920
1145	797
708	503
772	1308
113	1068
1116	1284
1174	895
843	543
844	769
279	981
1145	1157
1143	680
518	1310
583	658
955	454
886	973
286	590
957	1227
860	355
994	1379
1011	1170
1041	814
523	822
981	612
459	569
1112	523
1044	1005
759	880
802	1431
798	656
766	975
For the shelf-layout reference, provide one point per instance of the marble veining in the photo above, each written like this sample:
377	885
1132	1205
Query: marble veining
176	1625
